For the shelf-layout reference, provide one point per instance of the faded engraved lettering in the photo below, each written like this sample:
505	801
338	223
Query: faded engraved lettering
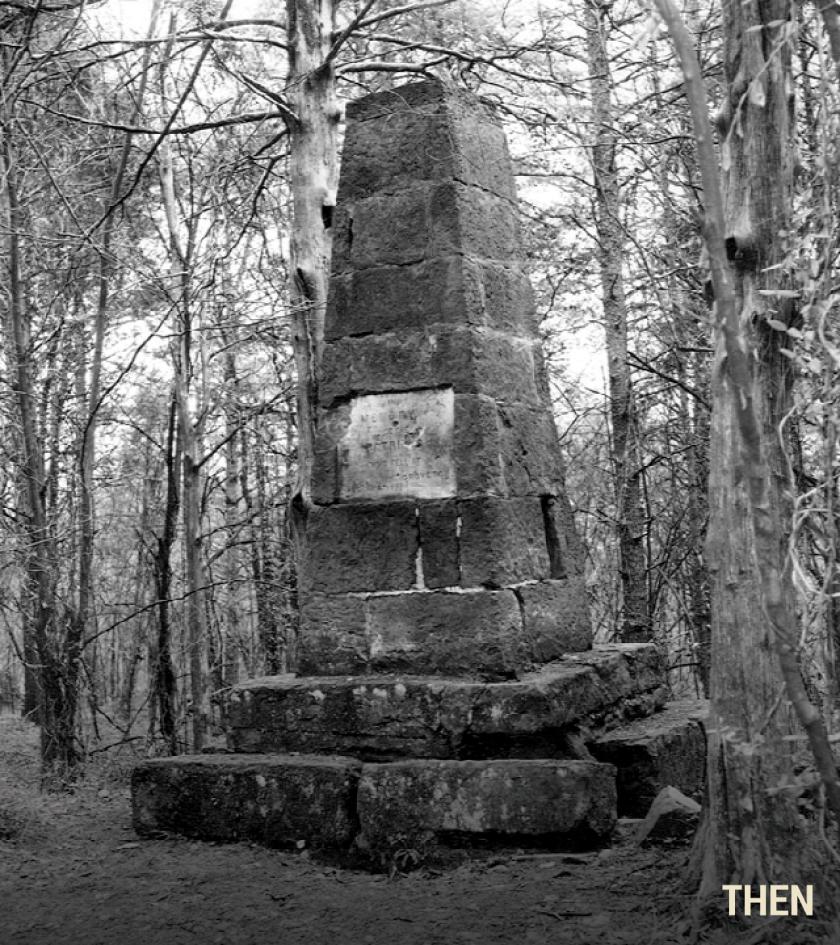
399	445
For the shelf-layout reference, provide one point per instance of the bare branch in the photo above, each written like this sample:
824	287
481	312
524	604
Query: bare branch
169	123
398	11
380	65
245	118
348	30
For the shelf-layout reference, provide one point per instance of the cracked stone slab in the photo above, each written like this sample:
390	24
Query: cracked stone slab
423	806
667	749
402	716
275	800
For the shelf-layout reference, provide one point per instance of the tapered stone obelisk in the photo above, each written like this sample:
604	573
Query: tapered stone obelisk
442	559
441	540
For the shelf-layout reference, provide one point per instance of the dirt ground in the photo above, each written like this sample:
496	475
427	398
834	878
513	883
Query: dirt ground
72	872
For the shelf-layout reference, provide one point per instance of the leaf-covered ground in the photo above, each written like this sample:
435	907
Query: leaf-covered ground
72	872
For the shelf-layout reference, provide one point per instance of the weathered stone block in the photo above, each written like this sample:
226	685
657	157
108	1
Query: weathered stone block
439	543
423	131
508	298
468	360
502	541
529	450
669	748
422	222
360	547
437	291
488	226
476	447
505	449
452	289
460	633
395	149
568	557
274	800
455	633
376	717
332	635
427	804
429	95
331	428
555	618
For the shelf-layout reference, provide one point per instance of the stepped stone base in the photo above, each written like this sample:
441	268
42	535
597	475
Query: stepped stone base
666	749
368	813
389	717
366	770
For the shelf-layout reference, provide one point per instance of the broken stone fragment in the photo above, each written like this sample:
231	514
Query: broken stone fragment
666	748
672	818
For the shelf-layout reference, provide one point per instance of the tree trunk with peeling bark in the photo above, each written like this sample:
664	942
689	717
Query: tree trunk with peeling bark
750	750
313	178
313	175
754	830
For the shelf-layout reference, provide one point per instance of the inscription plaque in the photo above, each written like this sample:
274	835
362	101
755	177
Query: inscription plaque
399	445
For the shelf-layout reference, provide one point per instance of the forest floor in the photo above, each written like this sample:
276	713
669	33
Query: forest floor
72	872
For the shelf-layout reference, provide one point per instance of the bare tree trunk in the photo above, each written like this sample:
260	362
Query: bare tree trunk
56	708
630	525
232	628
163	676
181	259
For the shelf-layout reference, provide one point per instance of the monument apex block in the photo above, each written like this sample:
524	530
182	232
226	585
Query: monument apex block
423	132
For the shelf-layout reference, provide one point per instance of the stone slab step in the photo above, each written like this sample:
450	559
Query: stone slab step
274	800
430	807
372	814
665	749
390	717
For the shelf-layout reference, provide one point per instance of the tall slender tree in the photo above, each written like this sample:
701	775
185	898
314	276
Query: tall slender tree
626	455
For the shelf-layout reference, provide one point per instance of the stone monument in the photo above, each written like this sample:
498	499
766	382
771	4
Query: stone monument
448	693
441	540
